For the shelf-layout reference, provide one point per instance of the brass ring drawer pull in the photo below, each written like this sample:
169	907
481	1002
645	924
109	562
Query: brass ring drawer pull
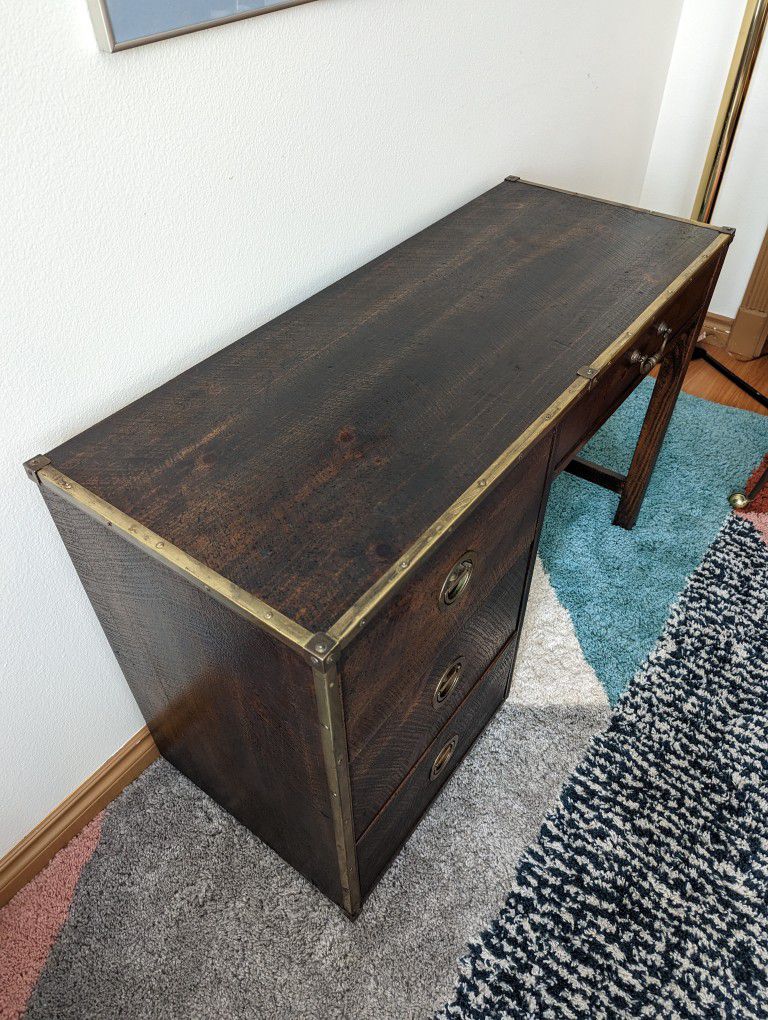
448	682
457	580
444	755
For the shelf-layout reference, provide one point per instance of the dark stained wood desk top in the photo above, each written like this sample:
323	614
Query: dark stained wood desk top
300	461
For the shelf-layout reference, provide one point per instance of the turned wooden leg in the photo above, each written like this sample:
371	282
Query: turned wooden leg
671	374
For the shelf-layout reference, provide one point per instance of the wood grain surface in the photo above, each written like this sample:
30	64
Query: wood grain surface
392	826
232	709
395	743
302	460
387	671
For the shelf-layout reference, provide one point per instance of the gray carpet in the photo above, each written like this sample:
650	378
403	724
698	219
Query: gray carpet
181	913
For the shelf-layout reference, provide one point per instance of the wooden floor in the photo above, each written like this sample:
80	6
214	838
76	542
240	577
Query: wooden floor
704	381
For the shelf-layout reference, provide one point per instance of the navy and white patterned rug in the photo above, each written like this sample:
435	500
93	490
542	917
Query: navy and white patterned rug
646	893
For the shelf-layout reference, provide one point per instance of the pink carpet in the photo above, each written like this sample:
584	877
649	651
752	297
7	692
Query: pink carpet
31	922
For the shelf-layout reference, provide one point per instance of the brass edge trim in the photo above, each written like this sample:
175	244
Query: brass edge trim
333	736
643	320
623	205
229	594
33	466
360	612
356	617
731	105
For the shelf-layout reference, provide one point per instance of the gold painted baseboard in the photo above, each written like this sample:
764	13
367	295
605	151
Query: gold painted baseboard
28	857
717	329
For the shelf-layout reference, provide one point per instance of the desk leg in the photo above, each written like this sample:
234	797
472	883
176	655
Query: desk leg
670	379
668	384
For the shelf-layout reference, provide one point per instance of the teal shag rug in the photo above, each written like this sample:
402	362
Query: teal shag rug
618	585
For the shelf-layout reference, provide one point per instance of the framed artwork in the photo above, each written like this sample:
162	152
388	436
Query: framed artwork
120	24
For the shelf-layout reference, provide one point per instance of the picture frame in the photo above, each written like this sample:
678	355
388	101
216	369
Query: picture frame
123	24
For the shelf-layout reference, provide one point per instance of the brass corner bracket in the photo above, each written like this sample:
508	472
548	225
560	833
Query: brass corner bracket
588	373
322	651
35	464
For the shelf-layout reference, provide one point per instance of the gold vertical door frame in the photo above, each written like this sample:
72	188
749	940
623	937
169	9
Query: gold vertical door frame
736	86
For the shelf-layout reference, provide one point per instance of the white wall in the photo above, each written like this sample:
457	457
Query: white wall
159	203
702	56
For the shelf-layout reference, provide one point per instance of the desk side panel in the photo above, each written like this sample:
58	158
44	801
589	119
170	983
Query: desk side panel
232	709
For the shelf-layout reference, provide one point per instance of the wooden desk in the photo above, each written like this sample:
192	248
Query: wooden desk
311	553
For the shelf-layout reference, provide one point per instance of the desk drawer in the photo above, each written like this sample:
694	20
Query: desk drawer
385	674
423	707
599	402
613	384
391	828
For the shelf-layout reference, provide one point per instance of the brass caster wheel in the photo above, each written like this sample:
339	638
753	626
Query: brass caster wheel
739	500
